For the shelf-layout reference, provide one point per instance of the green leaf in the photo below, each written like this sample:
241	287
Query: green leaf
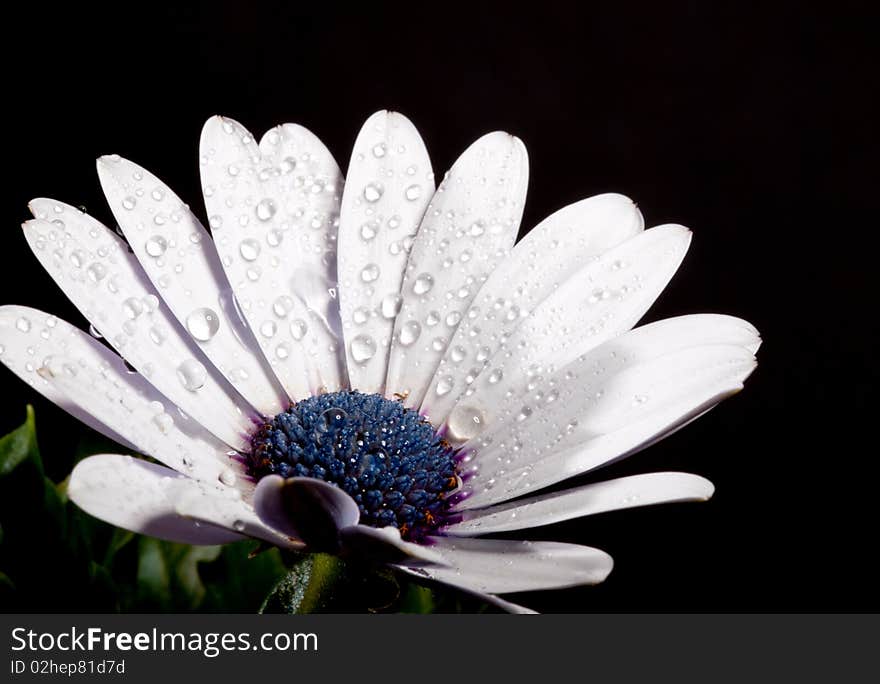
20	445
416	599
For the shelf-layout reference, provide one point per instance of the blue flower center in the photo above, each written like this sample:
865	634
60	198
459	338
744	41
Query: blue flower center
387	457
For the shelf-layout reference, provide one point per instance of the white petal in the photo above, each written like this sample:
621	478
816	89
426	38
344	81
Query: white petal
29	336
601	301
94	269
496	601
605	408
548	255
179	257
469	227
385	545
135	495
89	380
599	497
605	298
273	210
224	508
499	566
389	184
306	508
497	398
132	407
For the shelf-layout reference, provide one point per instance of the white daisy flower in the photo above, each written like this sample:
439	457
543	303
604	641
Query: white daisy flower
369	366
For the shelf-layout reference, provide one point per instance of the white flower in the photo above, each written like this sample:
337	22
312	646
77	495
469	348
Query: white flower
523	357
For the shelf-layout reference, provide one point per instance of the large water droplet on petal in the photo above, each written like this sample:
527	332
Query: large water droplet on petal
298	329
370	273
282	306
133	307
409	333
465	422
373	192
423	283
156	246
192	375
363	348
266	209
249	249
203	324
445	385
391	305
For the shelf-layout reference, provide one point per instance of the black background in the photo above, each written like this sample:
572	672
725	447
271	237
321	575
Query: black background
751	123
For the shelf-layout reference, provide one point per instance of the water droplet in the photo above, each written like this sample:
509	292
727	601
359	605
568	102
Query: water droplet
96	272
298	329
524	413
274	237
465	422
390	305
332	418
409	333
423	283
282	351
265	209
282	306
363	348
227	477
373	192
370	273
360	315
445	385
192	375
129	203
453	319
287	165
495	376
413	192
156	246
203	324
157	334
369	230
249	249
133	307
23	324
163	422
268	328
77	257
379	150
477	228
458	354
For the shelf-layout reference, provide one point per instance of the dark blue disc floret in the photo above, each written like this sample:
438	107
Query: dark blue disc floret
385	456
